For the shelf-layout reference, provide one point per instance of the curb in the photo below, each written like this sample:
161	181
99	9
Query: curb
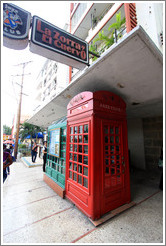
29	164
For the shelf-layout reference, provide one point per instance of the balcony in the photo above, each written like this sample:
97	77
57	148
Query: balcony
86	16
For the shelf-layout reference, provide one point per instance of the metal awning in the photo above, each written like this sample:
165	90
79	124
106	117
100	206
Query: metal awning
131	68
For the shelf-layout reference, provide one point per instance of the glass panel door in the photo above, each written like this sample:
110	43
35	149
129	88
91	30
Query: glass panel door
112	134
78	154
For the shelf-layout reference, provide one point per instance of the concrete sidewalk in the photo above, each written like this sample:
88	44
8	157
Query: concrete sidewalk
34	213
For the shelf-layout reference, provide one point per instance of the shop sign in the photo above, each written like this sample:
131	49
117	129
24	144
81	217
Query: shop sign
16	25
56	44
54	142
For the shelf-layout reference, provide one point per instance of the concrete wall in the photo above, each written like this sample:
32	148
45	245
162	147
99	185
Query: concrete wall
153	140
136	143
150	17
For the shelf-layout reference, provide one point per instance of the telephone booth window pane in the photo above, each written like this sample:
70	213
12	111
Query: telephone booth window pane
71	147
85	138
80	158
75	157
85	182
80	148
80	129
85	128
106	139
117	148
71	139
79	168
112	149
75	177
106	147
86	160
70	165
117	139
71	130
75	139
105	129
112	162
86	149
75	130
70	175
112	130
117	157
75	148
71	156
80	179
106	161
80	139
116	130
112	171
107	170
85	171
75	167
112	139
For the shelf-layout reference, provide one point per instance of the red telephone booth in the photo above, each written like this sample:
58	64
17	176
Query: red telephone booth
97	166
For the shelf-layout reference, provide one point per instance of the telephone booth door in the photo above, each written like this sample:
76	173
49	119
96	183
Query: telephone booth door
115	175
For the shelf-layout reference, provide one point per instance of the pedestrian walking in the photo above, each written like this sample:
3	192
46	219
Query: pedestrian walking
34	152
7	161
44	155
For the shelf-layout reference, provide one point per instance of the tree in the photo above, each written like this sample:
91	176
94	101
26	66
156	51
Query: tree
118	24
108	41
27	129
7	130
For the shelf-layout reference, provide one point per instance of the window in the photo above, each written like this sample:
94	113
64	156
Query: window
78	154
112	155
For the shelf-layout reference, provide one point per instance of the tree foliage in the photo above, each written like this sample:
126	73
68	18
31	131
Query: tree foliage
110	39
7	130
27	129
119	22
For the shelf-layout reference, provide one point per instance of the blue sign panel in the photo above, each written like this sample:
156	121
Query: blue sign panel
54	142
16	25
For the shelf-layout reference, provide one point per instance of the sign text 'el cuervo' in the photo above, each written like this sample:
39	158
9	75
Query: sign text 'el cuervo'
56	44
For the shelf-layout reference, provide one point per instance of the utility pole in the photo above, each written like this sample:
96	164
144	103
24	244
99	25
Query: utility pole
19	109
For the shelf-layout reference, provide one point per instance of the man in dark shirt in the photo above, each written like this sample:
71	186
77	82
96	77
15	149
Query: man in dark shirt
7	161
34	152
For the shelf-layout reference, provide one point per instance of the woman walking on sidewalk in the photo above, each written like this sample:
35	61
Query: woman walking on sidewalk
44	155
34	152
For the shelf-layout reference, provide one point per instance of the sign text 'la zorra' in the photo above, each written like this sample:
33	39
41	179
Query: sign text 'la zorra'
57	44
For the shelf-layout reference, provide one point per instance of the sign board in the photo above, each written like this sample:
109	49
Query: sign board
54	142
16	25
58	45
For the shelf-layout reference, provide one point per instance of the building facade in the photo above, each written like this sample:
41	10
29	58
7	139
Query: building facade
126	44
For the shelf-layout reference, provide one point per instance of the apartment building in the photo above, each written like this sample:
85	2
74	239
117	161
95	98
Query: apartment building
126	44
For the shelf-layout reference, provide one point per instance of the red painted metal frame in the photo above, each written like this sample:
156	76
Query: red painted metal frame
97	110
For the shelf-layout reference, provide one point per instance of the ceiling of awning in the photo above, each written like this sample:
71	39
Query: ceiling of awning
131	68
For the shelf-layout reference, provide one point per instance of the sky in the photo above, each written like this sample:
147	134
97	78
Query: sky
55	12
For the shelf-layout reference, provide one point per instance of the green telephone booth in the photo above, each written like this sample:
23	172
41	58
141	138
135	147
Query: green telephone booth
56	156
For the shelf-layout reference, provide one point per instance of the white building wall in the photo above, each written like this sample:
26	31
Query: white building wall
150	17
62	77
